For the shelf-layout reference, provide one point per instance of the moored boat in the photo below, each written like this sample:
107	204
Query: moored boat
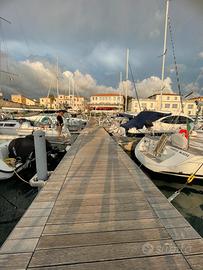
173	155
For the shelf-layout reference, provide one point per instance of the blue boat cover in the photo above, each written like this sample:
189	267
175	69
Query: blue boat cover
144	118
126	115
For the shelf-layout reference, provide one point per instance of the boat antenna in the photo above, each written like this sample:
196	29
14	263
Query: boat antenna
175	63
126	88
135	86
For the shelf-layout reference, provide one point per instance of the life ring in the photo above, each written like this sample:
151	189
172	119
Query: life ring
185	132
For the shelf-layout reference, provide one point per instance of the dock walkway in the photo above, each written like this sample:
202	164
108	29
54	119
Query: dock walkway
98	210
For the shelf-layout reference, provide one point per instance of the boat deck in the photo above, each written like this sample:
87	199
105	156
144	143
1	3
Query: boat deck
98	210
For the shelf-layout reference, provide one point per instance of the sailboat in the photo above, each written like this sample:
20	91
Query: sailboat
179	154
175	155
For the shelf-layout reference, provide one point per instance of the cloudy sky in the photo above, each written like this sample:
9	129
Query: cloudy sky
90	38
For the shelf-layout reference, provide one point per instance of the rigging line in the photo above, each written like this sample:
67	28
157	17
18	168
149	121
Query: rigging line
9	73
163	54
134	86
1	18
175	63
5	48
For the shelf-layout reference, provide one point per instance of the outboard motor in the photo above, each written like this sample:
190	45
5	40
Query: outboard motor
23	148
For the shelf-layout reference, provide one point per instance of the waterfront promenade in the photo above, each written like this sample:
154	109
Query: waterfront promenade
98	210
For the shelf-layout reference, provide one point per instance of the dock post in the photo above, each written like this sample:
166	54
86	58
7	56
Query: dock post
40	155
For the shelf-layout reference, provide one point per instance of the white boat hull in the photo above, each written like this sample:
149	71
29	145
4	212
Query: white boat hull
173	161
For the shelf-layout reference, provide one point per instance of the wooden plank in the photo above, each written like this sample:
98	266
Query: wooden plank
100	211
22	245
50	257
178	222
100	208
14	261
101	238
100	217
102	226
169	262
188	247
91	200
195	261
26	232
183	233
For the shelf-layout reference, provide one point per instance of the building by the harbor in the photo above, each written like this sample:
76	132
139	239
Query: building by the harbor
47	102
24	100
107	103
164	102
76	103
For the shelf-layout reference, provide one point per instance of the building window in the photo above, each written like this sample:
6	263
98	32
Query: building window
174	106
175	98
168	98
167	105
190	106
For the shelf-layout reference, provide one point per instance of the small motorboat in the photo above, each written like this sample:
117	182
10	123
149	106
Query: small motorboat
9	127
17	155
47	123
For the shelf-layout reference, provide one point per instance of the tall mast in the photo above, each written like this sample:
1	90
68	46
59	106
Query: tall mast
57	72
165	48
69	87
126	77
73	97
121	83
3	71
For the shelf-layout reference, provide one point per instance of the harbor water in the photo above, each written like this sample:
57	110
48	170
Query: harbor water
189	203
15	198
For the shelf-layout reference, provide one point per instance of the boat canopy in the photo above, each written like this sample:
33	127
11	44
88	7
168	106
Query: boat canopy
126	115
144	118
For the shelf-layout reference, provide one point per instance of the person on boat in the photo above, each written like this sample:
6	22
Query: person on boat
59	123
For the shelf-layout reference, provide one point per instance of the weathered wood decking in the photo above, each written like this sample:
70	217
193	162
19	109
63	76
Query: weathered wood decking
99	211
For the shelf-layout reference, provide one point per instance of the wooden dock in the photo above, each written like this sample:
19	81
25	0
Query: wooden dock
98	210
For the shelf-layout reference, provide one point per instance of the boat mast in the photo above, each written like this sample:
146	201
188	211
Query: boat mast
73	96
3	71
57	81
121	83
126	77
164	49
